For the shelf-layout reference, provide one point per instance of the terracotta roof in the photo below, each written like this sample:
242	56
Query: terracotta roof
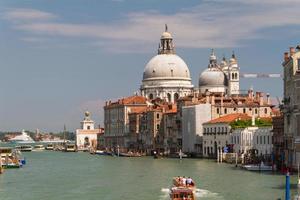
137	110
229	118
128	100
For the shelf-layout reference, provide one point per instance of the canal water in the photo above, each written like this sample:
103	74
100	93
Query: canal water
81	176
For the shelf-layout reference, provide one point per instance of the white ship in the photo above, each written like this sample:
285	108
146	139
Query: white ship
23	138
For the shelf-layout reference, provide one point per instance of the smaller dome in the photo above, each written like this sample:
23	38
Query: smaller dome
213	77
166	35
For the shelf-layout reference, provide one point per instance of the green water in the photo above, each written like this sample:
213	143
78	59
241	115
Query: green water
81	176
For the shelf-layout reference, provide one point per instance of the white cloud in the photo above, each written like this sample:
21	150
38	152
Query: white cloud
22	14
214	23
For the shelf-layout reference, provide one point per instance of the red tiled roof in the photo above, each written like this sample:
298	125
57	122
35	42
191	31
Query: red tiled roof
229	118
129	100
138	110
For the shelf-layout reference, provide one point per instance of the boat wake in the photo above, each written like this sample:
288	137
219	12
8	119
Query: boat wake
200	193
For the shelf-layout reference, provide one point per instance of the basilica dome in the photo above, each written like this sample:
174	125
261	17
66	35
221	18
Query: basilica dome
213	77
166	75
166	66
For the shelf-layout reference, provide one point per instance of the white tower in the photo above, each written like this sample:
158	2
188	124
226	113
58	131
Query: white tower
87	123
233	76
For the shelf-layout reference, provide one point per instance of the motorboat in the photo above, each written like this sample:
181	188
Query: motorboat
4	151
259	167
23	138
182	193
130	154
100	152
24	148
38	147
182	189
13	161
49	147
70	148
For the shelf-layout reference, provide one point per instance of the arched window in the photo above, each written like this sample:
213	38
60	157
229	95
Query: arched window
266	110
232	76
236	76
169	97
244	110
176	96
150	96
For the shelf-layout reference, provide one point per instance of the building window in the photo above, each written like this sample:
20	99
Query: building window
264	139
157	116
157	126
169	97
244	110
218	111
268	139
88	127
266	110
176	96
255	110
225	110
151	96
260	141
256	139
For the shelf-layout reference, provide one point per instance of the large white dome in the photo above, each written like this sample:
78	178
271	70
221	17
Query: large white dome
213	77
166	66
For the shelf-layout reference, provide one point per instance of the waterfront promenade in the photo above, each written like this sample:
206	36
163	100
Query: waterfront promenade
74	176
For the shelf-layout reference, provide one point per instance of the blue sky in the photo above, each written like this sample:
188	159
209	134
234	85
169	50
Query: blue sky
60	58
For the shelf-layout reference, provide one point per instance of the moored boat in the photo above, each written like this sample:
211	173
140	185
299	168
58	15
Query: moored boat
130	154
259	167
70	148
26	148
49	147
39	147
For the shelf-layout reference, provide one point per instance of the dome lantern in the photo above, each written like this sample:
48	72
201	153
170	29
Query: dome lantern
166	43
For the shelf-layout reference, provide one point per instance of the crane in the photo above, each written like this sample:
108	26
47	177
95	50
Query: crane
260	75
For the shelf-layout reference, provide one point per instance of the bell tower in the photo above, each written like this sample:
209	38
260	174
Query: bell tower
233	76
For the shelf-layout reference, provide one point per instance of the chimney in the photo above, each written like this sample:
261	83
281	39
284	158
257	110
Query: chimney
268	99
257	95
292	51
261	98
286	56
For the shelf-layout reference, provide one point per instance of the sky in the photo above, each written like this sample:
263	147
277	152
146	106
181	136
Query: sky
61	58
